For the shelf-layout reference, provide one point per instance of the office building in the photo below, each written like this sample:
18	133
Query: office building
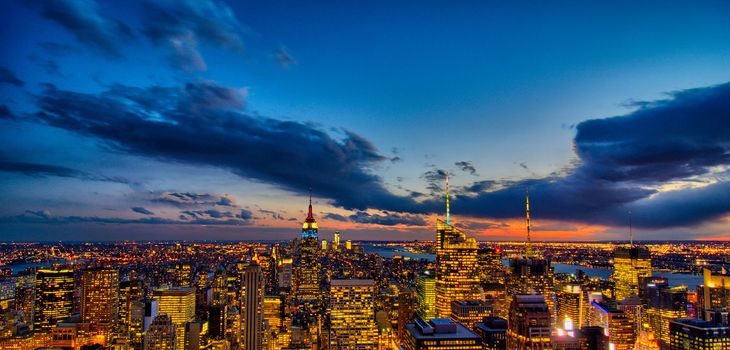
569	303
665	304
426	295
693	334
252	307
616	324
440	334
714	293
336	241
593	338
469	312
179	304
100	299
493	332
629	264
529	323
129	292
161	334
54	294
352	315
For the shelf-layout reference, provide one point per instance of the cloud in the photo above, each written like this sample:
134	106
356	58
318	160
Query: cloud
624	161
386	219
5	113
182	25
42	170
185	199
284	58
8	77
84	20
434	180
141	210
203	123
274	215
467	167
45	217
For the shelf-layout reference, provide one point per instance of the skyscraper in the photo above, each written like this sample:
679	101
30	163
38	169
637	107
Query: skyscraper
692	334
219	288
440	334
456	264
179	304
129	292
469	312
100	299
54	293
714	293
426	295
529	323
336	241
161	335
252	307
665	304
569	301
629	264
617	325
352	315
493	331
307	267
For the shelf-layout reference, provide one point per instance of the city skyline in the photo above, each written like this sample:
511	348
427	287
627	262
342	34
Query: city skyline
213	120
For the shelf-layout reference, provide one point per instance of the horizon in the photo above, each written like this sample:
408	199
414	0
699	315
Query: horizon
218	120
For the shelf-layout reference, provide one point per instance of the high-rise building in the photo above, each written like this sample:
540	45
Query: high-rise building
565	336
336	241
161	334
142	314
324	244
426	295
493	331
179	304
217	321
693	334
285	274
182	275
665	304
219	288
714	293
490	267
307	266
273	312
348	245
100	299
252	307
407	311
616	324
469	312
529	323
352	315
440	334
54	294
129	292
593	338
569	302
456	264
629	264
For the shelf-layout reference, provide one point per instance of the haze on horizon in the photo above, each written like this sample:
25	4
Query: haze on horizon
211	120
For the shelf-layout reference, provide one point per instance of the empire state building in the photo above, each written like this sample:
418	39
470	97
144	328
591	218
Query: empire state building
307	266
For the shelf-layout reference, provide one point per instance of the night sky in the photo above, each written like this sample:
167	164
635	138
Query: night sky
204	120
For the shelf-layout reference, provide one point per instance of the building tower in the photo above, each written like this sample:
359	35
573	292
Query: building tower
307	267
456	264
179	304
352	315
252	307
569	303
529	323
54	294
100	299
129	292
161	334
629	264
426	296
336	241
531	273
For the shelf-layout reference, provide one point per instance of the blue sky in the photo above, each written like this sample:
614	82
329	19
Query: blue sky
394	94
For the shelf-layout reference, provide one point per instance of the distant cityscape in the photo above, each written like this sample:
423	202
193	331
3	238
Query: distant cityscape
315	293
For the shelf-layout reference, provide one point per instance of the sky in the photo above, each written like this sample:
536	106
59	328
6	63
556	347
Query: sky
212	120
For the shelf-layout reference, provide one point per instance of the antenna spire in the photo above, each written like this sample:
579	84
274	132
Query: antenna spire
448	208
528	248
309	215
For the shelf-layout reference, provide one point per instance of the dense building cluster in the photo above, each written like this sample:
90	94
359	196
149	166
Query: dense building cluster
310	293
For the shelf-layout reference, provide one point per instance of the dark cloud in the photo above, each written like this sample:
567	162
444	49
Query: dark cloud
186	199
88	25
182	25
386	219
142	210
45	217
274	215
434	180
5	113
37	169
623	159
467	167
284	58
202	123
8	77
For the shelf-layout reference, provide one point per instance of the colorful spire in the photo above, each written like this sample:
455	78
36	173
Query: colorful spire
448	209
528	249
310	217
